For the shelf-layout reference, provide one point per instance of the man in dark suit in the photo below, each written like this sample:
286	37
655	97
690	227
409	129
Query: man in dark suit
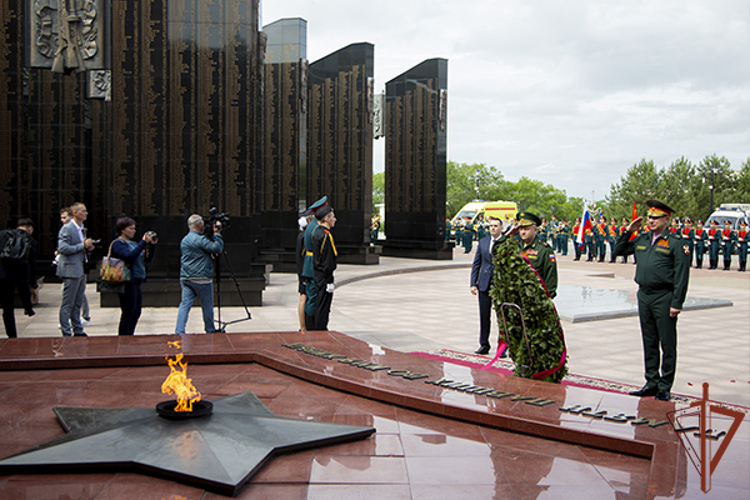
72	246
481	279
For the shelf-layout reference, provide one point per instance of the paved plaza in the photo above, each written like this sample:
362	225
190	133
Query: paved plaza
418	305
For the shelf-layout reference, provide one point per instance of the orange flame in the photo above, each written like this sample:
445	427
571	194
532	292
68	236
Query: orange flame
175	343
178	383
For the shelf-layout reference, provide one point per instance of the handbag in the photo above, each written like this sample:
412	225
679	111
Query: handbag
114	271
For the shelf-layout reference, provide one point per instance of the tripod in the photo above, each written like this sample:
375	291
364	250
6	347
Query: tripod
221	325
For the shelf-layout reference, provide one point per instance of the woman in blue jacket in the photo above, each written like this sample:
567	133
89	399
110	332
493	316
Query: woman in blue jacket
135	255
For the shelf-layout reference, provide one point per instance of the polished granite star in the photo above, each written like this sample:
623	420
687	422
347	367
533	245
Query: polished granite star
220	452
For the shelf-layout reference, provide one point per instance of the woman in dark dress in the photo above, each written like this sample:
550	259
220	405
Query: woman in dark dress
135	255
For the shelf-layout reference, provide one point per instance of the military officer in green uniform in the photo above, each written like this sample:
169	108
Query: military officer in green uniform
662	273
540	254
308	270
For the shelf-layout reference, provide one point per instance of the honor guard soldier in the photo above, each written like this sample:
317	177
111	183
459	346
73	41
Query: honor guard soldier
728	239
613	231
576	245
662	273
543	231
468	236
674	228
700	238
743	239
562	237
308	268
600	239
714	240
688	234
589	244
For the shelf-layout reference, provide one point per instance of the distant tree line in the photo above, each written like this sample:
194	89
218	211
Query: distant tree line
467	182
685	187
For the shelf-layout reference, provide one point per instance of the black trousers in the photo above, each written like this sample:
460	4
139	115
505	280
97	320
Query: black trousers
7	287
485	310
323	302
130	304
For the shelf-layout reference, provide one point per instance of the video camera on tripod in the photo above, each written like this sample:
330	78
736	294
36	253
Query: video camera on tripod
214	217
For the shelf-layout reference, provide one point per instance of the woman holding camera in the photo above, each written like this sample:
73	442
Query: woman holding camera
135	255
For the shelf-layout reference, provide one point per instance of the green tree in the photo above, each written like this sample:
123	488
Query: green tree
378	191
640	183
467	182
742	183
680	187
716	172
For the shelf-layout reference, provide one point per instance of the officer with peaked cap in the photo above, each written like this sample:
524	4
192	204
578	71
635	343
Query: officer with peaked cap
728	239
743	238
700	237
540	254
662	273
308	271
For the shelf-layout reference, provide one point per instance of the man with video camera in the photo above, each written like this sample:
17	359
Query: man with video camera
197	271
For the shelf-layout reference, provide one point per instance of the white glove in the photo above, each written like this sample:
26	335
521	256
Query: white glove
329	288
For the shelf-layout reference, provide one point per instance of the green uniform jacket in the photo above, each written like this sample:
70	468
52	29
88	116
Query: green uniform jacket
542	257
665	265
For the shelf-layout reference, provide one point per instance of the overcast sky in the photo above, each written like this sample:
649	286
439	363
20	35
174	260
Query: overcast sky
571	93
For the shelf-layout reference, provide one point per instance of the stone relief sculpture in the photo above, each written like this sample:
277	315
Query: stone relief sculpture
67	35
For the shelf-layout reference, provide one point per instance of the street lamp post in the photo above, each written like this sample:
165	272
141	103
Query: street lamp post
714	171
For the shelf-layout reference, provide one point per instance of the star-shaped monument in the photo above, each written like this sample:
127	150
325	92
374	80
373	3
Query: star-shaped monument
219	452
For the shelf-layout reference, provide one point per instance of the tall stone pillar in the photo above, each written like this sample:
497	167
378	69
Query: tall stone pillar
415	162
284	167
339	146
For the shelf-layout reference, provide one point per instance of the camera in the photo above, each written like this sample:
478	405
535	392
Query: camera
214	217
153	235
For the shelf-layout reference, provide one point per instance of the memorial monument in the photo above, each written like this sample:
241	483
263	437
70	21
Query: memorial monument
415	162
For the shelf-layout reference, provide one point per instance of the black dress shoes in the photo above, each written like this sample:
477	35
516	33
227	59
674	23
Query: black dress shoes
662	395
482	350
645	391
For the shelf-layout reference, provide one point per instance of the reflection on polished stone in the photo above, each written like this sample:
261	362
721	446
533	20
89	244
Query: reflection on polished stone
581	303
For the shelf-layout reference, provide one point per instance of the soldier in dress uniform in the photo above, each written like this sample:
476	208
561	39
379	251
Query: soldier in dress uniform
743	239
308	269
543	231
728	239
600	238
688	234
576	245
714	240
589	244
563	230
613	231
700	237
662	273
468	236
674	228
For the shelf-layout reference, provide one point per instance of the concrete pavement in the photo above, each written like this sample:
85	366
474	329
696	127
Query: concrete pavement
416	305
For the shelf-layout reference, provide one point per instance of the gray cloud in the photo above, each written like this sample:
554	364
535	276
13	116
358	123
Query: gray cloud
571	93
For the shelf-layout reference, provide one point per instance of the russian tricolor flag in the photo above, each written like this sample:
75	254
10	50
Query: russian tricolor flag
585	224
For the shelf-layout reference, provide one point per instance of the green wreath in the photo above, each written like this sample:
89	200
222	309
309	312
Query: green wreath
517	282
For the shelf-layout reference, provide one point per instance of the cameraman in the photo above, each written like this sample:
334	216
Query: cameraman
197	271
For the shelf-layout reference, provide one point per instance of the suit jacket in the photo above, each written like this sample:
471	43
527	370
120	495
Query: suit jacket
482	268
71	250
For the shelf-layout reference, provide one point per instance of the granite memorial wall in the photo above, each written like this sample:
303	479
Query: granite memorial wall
339	145
415	162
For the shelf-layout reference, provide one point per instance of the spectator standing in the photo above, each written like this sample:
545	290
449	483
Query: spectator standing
135	255
304	220
17	272
73	247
